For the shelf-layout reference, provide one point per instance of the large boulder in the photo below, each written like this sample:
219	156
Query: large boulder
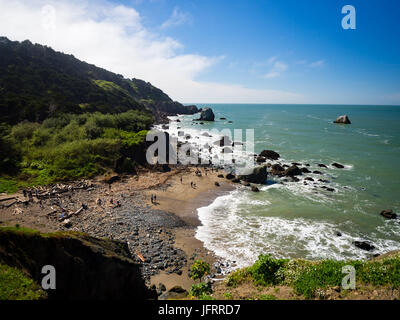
277	170
206	115
259	175
269	154
343	119
364	245
293	171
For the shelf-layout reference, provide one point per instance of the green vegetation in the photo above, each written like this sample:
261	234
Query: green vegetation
15	285
199	269
71	147
307	277
200	289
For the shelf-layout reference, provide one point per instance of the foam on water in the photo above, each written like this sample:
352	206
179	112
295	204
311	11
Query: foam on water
233	233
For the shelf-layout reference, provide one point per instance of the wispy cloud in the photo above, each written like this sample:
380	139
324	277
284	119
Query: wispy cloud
317	64
177	18
276	69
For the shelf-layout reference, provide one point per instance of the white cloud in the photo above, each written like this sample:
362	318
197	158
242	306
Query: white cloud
177	18
113	37
317	64
277	68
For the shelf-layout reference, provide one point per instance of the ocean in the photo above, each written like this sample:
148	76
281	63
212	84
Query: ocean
295	220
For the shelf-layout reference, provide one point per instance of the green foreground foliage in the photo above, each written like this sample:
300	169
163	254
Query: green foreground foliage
306	277
69	147
15	285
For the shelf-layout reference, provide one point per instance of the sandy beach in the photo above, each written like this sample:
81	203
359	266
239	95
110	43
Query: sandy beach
167	225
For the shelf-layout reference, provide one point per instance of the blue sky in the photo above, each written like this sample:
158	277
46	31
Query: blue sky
263	51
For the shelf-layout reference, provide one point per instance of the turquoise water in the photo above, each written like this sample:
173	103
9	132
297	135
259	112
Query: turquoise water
298	220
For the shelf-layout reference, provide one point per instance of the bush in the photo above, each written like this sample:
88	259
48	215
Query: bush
199	269
201	288
265	270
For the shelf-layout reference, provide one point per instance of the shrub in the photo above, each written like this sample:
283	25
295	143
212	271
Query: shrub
265	270
201	288
199	269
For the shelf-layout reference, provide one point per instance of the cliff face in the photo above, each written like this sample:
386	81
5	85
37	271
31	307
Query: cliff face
86	267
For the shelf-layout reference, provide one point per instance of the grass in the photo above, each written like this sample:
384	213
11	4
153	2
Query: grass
15	285
70	147
308	278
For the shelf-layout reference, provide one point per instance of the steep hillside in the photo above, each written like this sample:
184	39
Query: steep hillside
37	82
86	267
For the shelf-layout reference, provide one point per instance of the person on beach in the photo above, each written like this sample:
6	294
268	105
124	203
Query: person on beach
181	179
155	199
152	199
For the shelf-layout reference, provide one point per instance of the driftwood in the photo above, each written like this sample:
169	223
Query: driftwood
69	215
5	199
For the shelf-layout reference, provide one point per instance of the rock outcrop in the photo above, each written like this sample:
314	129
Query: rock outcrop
259	175
269	154
343	119
206	114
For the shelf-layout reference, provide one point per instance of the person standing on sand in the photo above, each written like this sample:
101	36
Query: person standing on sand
181	179
155	199
152	198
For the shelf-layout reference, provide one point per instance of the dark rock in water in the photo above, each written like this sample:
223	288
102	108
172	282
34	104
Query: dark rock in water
322	180
259	175
330	189
364	245
295	179
254	189
217	184
317	172
230	121
206	115
178	120
285	166
222	118
321	165
307	164
269	154
236	180
260	159
165	127
277	169
338	165
296	164
230	176
339	234
309	179
305	170
201	122
220	176
293	171
343	119
388	214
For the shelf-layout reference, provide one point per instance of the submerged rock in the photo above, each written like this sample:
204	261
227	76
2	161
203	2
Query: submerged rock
364	245
277	169
343	119
254	189
337	165
388	214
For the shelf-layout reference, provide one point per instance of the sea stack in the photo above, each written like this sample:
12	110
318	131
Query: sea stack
206	115
343	119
